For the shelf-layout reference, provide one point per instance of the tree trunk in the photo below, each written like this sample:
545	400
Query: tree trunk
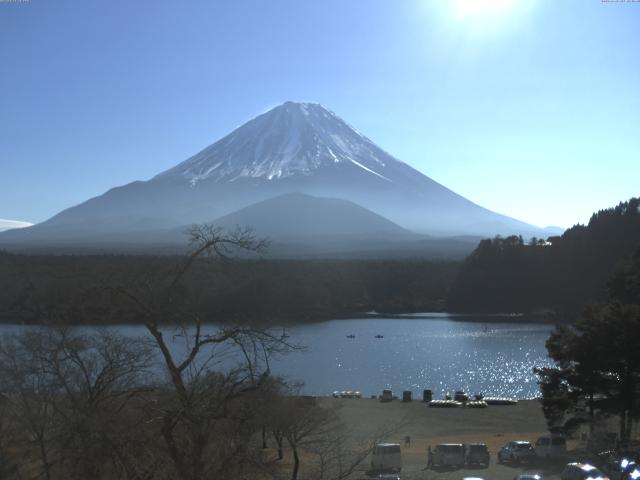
279	440
44	458
264	437
591	415
623	425
632	404
296	463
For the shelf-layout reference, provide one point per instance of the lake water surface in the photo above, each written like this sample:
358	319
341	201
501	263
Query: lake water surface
427	351
417	352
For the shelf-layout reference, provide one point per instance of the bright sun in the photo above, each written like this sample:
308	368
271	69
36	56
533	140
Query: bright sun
481	8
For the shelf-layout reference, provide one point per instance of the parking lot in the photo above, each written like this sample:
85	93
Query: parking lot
423	427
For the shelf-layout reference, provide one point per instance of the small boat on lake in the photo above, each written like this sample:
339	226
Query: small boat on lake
351	336
379	336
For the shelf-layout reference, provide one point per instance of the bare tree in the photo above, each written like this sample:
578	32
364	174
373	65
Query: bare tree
338	454
330	449
308	424
66	392
204	420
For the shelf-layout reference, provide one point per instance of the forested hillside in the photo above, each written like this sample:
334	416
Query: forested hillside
271	291
563	273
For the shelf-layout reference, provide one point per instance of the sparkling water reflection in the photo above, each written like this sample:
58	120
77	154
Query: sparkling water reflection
436	353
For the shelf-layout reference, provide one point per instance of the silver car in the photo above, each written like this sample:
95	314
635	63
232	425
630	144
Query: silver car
581	471
516	451
529	476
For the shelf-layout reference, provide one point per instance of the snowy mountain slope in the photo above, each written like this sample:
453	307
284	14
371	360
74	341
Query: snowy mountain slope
11	224
295	147
293	139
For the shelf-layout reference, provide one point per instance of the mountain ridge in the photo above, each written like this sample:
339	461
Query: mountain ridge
295	147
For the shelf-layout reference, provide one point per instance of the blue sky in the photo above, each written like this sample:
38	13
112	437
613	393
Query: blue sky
528	108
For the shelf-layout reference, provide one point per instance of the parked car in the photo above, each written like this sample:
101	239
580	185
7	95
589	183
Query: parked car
551	446
623	469
387	395
476	454
529	476
386	458
388	476
448	455
582	471
516	451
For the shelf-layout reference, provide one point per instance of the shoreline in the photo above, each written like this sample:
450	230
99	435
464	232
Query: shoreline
498	317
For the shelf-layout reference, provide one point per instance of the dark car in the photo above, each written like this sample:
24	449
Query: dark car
476	454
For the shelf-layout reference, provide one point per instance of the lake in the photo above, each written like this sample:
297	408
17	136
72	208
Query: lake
430	350
427	351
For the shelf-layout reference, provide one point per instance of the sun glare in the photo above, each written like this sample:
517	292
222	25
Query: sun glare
481	8
479	19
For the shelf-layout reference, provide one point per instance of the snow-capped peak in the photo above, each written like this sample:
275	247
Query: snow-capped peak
291	139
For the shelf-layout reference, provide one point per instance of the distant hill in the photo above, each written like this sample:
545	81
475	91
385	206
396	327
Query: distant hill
511	275
299	216
304	226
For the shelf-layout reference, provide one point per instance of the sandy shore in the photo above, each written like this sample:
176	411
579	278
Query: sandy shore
495	426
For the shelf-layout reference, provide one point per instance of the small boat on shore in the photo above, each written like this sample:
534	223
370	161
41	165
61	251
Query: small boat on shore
444	404
476	404
347	394
500	401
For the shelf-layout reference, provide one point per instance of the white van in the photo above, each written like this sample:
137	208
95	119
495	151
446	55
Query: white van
551	446
386	458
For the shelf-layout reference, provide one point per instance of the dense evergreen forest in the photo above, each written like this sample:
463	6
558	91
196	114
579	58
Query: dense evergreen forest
271	291
560	274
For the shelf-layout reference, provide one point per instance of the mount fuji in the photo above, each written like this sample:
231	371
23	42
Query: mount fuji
293	148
